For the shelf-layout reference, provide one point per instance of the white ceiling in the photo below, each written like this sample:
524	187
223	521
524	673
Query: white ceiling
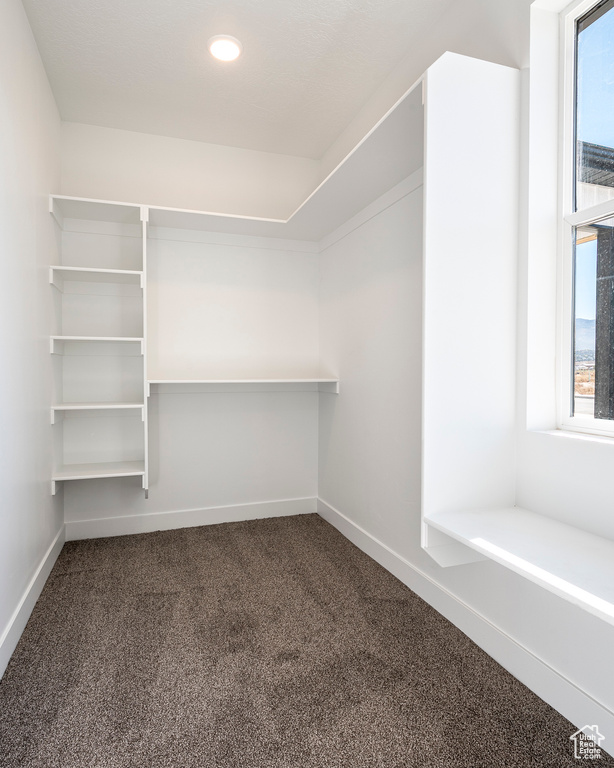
307	65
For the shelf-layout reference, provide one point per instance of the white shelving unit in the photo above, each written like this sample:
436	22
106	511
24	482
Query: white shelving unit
98	414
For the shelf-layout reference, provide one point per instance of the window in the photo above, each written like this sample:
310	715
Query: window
587	402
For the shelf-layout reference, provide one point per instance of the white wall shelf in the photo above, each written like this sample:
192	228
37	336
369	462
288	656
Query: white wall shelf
572	563
96	471
59	275
241	384
99	415
66	207
246	381
65	407
94	406
104	469
58	342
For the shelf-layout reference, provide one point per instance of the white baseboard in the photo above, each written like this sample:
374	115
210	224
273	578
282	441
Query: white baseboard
186	518
17	623
545	681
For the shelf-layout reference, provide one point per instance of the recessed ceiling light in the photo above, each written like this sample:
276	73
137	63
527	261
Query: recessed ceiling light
225	47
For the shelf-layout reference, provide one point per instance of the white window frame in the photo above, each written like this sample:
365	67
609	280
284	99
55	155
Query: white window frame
568	220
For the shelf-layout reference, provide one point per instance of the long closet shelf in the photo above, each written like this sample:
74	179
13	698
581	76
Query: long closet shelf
57	342
246	381
100	470
60	274
93	406
98	338
84	407
321	384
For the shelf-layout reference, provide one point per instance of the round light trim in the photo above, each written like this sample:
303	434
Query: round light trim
225	47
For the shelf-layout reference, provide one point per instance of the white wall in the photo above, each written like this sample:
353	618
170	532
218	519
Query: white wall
214	457
29	168
244	308
369	469
370	336
110	164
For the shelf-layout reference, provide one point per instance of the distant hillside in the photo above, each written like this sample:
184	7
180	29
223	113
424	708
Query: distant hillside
585	335
585	356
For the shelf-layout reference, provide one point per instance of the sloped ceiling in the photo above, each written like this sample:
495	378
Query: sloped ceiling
307	65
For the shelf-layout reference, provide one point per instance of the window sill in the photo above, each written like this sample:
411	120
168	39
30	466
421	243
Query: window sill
576	565
571	433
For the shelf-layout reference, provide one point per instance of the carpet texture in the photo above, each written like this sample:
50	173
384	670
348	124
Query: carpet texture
266	644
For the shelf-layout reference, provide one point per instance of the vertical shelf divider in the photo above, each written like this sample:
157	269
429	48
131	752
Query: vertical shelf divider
146	390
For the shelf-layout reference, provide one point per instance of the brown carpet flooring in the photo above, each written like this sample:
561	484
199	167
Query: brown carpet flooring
266	644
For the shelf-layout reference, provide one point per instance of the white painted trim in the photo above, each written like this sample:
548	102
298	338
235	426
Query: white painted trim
534	672
539	271
186	518
568	219
565	133
144	348
17	623
592	215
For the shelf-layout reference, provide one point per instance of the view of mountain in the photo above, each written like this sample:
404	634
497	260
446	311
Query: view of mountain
585	334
